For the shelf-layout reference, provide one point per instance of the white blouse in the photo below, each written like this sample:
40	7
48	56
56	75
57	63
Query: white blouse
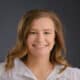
21	72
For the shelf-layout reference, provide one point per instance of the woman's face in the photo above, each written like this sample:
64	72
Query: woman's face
41	37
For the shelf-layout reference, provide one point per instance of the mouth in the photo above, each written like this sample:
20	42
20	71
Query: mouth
39	46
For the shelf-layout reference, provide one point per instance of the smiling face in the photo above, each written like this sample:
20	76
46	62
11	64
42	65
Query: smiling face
41	37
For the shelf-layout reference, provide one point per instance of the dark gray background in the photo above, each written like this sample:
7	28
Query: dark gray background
68	10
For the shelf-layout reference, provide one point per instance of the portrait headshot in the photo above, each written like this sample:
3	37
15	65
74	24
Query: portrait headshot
40	49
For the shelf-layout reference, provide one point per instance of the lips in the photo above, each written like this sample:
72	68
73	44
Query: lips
39	46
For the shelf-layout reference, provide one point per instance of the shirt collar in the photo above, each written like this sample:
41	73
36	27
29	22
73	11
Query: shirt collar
22	70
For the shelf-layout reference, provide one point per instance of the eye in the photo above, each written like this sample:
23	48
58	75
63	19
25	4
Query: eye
46	32
32	32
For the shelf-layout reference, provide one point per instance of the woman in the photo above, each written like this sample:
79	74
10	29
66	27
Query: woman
38	51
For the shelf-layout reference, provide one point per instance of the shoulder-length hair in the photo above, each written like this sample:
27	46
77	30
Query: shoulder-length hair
20	51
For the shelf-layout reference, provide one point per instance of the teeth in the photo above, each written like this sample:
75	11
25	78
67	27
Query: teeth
38	46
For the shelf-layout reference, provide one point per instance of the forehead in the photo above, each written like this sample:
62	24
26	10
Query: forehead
43	23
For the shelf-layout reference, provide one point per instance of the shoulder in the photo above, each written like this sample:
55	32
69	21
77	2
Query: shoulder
71	73
2	68
5	75
74	70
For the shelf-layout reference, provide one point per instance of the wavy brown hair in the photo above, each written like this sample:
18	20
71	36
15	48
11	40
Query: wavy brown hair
20	51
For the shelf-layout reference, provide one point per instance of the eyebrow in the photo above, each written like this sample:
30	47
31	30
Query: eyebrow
43	29
47	29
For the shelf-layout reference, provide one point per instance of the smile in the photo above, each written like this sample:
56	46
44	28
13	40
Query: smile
39	46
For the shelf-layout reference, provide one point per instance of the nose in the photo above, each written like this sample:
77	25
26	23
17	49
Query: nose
40	37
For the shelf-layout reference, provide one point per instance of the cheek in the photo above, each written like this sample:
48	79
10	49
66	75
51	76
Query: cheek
51	41
30	40
51	38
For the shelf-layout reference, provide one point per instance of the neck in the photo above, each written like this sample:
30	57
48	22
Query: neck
41	64
41	67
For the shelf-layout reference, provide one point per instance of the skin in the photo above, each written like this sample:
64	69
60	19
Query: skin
40	42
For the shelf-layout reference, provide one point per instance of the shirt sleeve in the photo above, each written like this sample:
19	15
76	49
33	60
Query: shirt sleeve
1	68
75	74
3	75
72	73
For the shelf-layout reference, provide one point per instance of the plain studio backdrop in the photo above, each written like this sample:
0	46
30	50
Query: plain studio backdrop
68	10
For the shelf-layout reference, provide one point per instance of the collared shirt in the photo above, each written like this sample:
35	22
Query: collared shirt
22	72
